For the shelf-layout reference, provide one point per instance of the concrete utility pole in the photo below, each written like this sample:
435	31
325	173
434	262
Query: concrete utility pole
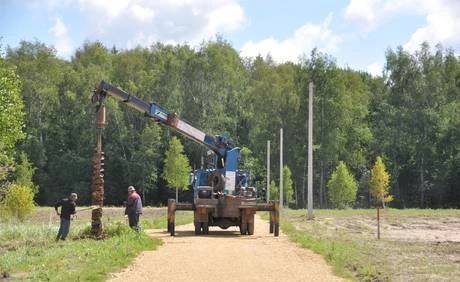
281	168
268	172
310	152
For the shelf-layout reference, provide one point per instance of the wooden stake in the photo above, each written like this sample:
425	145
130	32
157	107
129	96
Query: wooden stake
378	223
268	171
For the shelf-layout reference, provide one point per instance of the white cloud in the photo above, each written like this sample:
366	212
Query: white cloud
375	69
144	14
127	23
363	11
62	41
301	41
442	18
443	26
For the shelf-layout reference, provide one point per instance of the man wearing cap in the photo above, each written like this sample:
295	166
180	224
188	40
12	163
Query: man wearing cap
133	208
68	206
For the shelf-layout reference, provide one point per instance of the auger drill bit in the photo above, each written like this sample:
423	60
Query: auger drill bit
97	186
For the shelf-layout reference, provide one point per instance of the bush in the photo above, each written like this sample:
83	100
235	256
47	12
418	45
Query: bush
18	202
342	187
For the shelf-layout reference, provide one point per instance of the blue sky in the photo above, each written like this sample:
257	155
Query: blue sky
356	32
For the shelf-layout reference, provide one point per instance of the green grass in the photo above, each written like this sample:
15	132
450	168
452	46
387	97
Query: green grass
345	256
340	254
160	222
75	260
346	239
388	212
28	250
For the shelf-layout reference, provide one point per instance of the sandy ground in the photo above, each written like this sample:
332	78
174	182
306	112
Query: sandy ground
225	255
441	230
412	229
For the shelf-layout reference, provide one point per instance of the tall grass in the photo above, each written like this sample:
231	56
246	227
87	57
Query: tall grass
160	222
28	251
40	258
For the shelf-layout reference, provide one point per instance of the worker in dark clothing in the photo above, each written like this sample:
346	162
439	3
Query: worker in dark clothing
68	206
133	208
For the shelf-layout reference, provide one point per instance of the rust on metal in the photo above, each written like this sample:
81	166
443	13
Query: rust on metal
172	120
171	216
100	118
216	212
97	183
276	218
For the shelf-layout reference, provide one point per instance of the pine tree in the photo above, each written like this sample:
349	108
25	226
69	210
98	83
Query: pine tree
342	187
177	168
380	183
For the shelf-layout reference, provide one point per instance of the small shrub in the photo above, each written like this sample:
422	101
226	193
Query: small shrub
117	228
114	229
342	187
18	202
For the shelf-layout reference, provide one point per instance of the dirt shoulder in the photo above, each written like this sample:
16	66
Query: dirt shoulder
225	255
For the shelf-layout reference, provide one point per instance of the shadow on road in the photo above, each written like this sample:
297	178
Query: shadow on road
212	234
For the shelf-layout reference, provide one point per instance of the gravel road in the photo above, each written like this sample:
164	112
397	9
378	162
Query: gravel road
225	255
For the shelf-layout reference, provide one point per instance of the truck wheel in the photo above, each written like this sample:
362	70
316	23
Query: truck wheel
250	228
197	228
243	228
205	227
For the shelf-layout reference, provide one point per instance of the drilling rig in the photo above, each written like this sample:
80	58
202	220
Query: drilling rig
222	195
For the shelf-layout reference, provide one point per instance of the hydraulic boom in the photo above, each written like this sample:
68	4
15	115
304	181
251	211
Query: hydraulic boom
222	195
227	154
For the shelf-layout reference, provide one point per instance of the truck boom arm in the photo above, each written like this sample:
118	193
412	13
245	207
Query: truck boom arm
227	153
218	144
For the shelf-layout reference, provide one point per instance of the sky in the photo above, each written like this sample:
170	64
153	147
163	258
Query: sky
357	33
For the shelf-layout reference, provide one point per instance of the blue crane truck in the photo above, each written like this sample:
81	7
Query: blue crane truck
222	195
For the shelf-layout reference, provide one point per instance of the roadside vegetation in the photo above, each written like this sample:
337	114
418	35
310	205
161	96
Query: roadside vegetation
29	251
416	245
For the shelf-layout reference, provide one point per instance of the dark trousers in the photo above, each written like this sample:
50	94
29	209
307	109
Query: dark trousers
134	221
63	229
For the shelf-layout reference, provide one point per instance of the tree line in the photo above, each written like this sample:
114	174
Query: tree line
409	116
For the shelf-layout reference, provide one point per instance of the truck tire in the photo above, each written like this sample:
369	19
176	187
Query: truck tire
197	228
205	227
243	228
251	228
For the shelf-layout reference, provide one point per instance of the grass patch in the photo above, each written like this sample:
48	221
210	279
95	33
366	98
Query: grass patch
41	258
161	222
28	250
